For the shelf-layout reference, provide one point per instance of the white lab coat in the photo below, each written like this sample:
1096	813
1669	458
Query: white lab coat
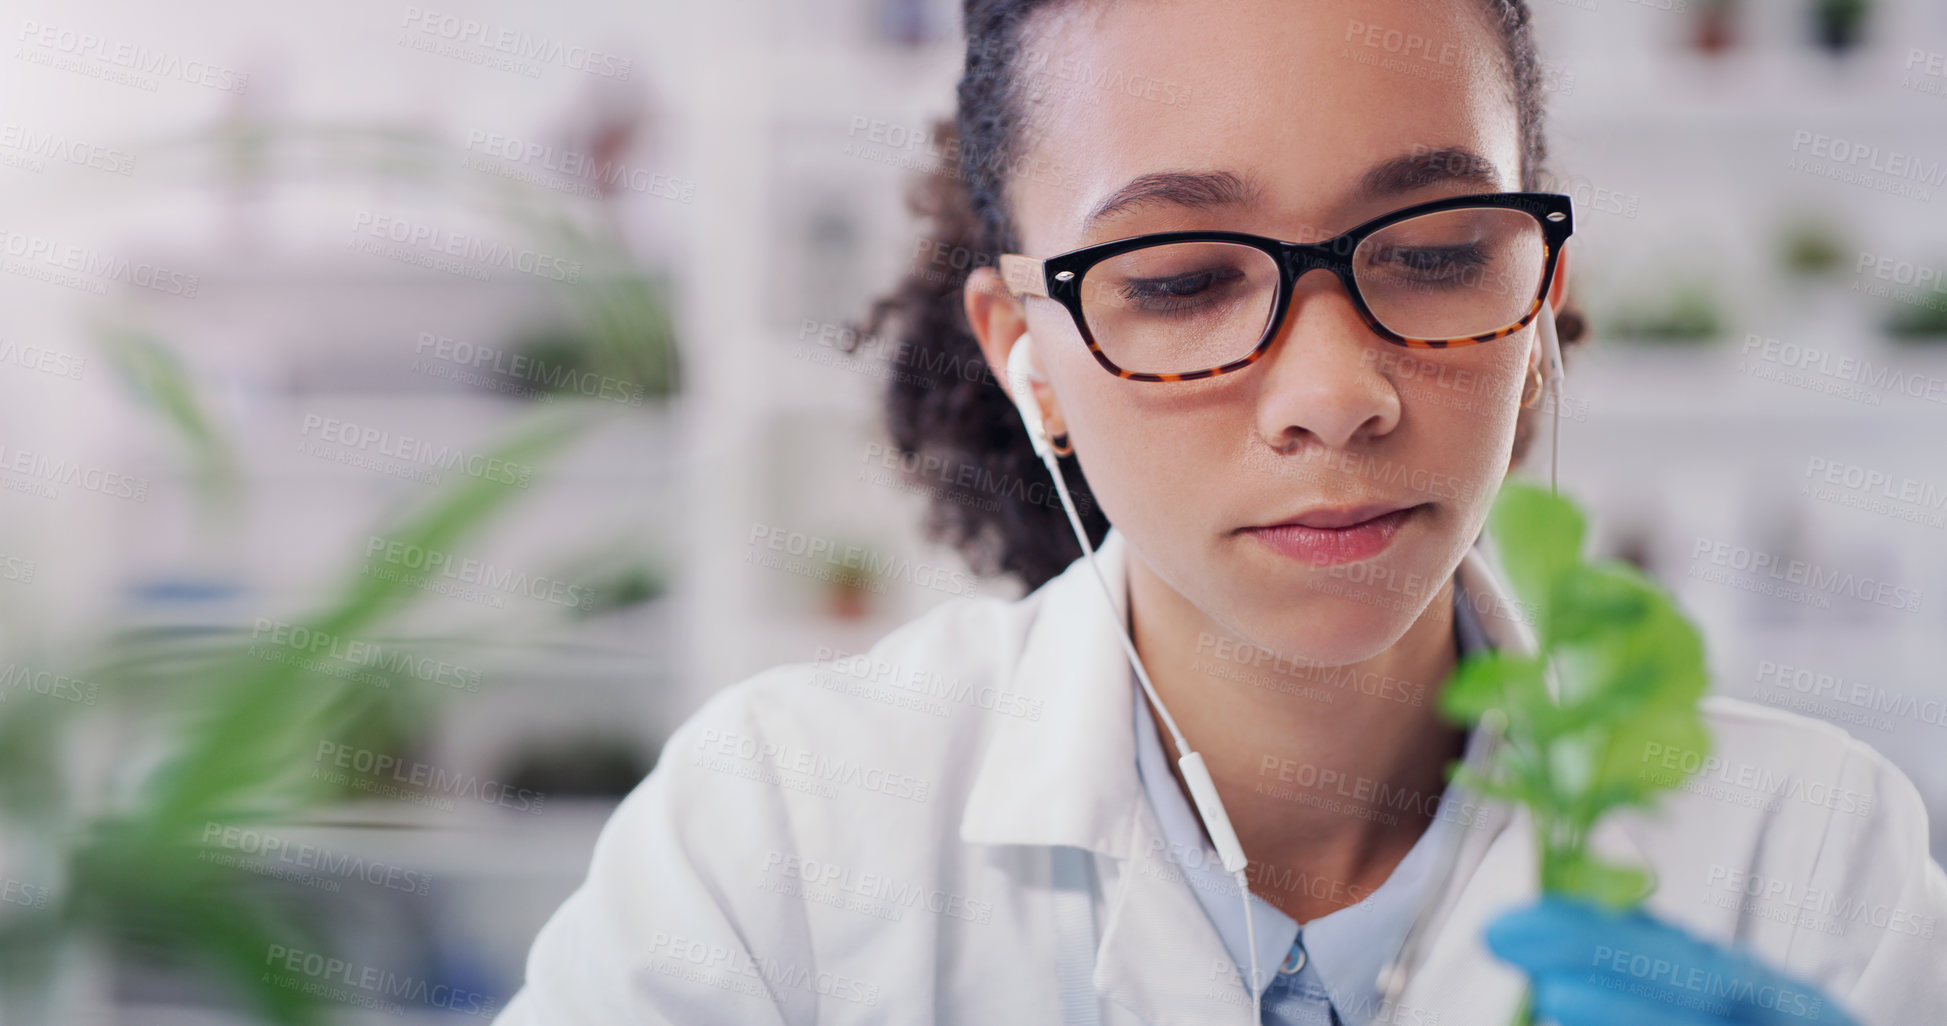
872	841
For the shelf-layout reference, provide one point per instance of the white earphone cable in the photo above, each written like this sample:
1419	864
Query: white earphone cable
1551	347
1202	789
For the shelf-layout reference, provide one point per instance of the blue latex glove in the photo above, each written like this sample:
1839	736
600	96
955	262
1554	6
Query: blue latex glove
1593	967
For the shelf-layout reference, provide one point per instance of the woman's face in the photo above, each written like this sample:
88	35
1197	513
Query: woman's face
1300	100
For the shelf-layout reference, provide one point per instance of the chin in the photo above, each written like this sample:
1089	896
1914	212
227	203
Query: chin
1343	614
1348	628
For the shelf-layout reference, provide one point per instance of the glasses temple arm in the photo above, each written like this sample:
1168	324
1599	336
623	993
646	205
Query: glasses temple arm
1024	275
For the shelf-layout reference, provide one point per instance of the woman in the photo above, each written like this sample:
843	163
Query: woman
983	819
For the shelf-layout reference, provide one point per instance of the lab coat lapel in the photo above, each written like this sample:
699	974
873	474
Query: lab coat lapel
1160	956
1070	779
1070	776
1461	983
1461	980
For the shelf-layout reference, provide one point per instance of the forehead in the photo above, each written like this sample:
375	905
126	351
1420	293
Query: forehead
1301	97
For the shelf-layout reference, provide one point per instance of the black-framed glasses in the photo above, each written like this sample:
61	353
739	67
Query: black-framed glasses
1176	306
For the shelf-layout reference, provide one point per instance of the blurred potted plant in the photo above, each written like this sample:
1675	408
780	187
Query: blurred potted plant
1811	251
1714	29
1811	247
614	578
848	593
600	765
1838	25
1919	323
234	729
1688	313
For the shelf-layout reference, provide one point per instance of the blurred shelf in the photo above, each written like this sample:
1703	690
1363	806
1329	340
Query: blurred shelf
1737	107
470	841
1679	387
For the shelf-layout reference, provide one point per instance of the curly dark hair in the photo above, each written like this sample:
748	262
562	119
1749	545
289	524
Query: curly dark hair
991	498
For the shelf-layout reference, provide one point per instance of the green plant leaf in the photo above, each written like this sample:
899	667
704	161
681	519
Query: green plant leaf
1483	681
1595	600
260	714
1629	672
1608	884
1540	537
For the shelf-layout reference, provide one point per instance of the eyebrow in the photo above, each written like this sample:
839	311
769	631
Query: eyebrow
1428	167
1206	190
1194	190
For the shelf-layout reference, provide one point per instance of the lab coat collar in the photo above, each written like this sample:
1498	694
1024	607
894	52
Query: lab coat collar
1070	776
1070	779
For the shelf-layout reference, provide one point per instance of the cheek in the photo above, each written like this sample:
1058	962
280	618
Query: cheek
1463	417
1463	405
1147	448
1141	460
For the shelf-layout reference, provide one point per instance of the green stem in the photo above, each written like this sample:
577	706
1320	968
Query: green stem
1524	1014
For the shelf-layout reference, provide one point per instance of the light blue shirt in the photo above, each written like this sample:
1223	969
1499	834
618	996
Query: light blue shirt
1338	955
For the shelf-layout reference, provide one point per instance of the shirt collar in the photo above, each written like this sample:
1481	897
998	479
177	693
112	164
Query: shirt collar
1346	948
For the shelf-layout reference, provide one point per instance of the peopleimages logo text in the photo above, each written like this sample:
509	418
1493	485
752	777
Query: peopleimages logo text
1816	578
435	241
516	43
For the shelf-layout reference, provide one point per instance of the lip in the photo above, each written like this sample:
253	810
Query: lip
1329	537
1325	518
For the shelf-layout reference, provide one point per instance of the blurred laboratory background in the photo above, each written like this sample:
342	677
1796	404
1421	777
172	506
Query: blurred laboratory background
399	404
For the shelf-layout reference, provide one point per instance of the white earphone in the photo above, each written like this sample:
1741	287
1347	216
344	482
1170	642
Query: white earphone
1551	354
1020	372
1203	791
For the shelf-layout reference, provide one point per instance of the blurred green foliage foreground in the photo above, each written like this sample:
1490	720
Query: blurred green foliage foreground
108	801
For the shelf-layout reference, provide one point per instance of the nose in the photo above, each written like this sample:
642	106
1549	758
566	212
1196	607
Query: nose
1322	377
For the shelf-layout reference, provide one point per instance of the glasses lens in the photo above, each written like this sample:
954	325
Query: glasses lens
1180	306
1452	273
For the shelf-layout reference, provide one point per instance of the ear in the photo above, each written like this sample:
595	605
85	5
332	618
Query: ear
997	320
